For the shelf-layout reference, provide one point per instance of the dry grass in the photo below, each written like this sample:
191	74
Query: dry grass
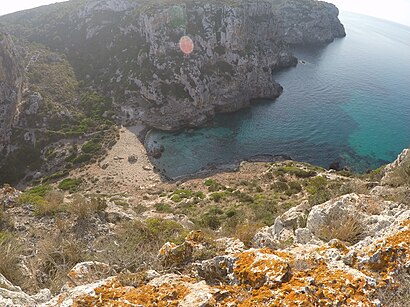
373	207
56	257
82	207
52	203
347	228
134	246
397	295
10	254
246	232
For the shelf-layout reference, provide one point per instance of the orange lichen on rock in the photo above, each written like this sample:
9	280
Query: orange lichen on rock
322	286
114	294
390	254
257	268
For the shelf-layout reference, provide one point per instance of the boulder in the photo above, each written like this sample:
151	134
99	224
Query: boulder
11	295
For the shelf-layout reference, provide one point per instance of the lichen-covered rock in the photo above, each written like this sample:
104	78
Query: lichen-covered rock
172	254
284	227
217	270
87	272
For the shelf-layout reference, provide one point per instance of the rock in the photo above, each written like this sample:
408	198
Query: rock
132	159
87	272
155	150
217	270
400	158
283	228
331	211
147	168
34	103
265	238
171	254
259	268
11	295
303	235
11	83
231	246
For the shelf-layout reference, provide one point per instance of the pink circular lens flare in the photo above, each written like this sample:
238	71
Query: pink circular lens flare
186	44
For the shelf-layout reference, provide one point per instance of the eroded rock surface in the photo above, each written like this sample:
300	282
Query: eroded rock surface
11	80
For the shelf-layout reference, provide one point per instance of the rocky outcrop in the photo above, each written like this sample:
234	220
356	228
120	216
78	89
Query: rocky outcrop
332	274
131	51
11	78
306	22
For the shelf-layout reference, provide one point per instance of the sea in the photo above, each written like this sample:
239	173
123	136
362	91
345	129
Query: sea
346	102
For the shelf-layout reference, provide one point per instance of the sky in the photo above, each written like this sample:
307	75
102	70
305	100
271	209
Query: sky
394	10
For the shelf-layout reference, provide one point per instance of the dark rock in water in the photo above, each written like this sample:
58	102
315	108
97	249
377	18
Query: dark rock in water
156	151
335	165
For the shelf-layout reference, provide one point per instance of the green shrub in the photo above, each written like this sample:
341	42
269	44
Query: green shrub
178	195
300	173
218	196
81	158
213	185
161	207
90	147
35	195
70	184
51	204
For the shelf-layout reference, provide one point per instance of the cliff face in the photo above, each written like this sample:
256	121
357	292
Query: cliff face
130	51
11	78
308	22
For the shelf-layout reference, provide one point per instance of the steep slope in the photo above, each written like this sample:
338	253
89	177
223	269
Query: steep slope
331	239
11	83
130	51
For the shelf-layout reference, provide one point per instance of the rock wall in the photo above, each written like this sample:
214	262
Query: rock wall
11	78
130	51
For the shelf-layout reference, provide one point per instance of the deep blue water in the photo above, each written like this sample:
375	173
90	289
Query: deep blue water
350	102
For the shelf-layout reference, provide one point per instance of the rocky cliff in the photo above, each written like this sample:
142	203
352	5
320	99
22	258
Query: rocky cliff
11	82
130	51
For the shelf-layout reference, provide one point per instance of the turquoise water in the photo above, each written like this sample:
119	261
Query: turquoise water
349	102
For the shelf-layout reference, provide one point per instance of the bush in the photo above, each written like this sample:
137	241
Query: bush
82	208
34	196
92	146
70	184
51	204
81	158
56	257
160	207
246	232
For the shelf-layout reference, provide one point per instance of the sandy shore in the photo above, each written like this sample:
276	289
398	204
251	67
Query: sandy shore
126	168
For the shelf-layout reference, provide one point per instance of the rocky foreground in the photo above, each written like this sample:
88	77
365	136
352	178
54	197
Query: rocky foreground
351	250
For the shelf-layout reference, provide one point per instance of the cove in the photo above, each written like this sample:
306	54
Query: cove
348	101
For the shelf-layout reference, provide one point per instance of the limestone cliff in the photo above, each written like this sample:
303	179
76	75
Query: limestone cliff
130	51
11	78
